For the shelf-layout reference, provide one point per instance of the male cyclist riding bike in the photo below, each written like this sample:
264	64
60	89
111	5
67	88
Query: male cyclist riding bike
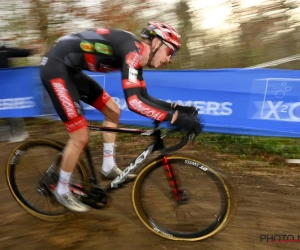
105	50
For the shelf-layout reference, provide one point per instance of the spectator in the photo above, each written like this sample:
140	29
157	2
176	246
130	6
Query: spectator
16	125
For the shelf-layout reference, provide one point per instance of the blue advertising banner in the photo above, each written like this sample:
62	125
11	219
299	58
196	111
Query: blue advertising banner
262	102
21	93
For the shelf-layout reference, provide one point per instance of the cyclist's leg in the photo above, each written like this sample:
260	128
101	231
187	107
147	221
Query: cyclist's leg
97	97
65	98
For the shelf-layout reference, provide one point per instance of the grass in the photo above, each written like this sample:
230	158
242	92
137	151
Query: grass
251	146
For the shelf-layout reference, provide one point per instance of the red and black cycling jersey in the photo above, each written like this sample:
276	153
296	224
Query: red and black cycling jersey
105	50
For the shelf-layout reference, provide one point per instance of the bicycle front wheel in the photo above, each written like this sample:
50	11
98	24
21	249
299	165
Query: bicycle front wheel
27	171
192	202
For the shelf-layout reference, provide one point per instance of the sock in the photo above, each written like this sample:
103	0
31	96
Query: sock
63	182
108	156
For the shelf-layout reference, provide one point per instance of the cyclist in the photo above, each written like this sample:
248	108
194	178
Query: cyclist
105	50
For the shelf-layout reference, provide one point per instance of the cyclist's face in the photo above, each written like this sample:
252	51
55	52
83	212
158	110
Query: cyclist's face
162	56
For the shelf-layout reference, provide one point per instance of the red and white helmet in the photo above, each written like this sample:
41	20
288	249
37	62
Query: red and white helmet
162	31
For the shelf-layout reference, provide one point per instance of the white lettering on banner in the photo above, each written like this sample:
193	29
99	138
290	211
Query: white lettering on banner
63	96
273	110
280	100
213	108
282	111
208	108
17	103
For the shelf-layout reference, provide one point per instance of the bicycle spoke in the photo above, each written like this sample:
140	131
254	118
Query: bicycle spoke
28	181
28	169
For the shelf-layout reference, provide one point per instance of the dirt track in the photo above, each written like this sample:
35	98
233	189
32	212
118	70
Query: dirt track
268	204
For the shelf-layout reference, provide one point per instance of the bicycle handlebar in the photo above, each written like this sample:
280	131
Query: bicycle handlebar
178	146
184	140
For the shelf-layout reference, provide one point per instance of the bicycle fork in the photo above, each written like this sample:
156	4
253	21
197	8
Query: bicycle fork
179	195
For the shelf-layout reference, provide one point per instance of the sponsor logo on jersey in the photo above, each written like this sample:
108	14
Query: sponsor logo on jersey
133	60
64	98
87	46
75	124
145	110
132	75
103	48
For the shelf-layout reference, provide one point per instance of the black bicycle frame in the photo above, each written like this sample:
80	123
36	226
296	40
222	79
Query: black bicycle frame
157	144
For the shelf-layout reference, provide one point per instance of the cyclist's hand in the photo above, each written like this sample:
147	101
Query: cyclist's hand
190	111
190	125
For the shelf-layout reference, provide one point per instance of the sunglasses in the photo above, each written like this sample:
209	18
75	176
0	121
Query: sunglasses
171	51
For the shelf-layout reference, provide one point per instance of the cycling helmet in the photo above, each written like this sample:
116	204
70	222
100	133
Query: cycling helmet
162	31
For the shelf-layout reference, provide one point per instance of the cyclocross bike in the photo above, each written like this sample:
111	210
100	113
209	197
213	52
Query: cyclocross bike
175	197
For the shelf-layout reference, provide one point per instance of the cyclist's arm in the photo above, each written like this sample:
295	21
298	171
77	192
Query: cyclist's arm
136	94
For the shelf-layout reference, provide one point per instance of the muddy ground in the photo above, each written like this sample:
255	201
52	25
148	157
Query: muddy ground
267	204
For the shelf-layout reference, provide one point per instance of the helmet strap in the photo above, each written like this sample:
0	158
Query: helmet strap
152	53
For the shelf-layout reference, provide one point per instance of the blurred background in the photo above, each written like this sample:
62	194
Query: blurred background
215	33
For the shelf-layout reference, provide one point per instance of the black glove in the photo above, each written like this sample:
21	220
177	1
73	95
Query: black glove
190	125
190	111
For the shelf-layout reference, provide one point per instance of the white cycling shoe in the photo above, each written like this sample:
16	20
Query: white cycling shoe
70	202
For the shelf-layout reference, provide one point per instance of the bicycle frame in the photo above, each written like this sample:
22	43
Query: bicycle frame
157	144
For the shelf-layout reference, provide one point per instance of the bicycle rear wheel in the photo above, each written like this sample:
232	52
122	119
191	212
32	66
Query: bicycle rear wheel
31	169
199	209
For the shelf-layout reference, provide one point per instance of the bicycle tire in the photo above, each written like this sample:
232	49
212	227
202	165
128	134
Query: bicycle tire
153	225
10	172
